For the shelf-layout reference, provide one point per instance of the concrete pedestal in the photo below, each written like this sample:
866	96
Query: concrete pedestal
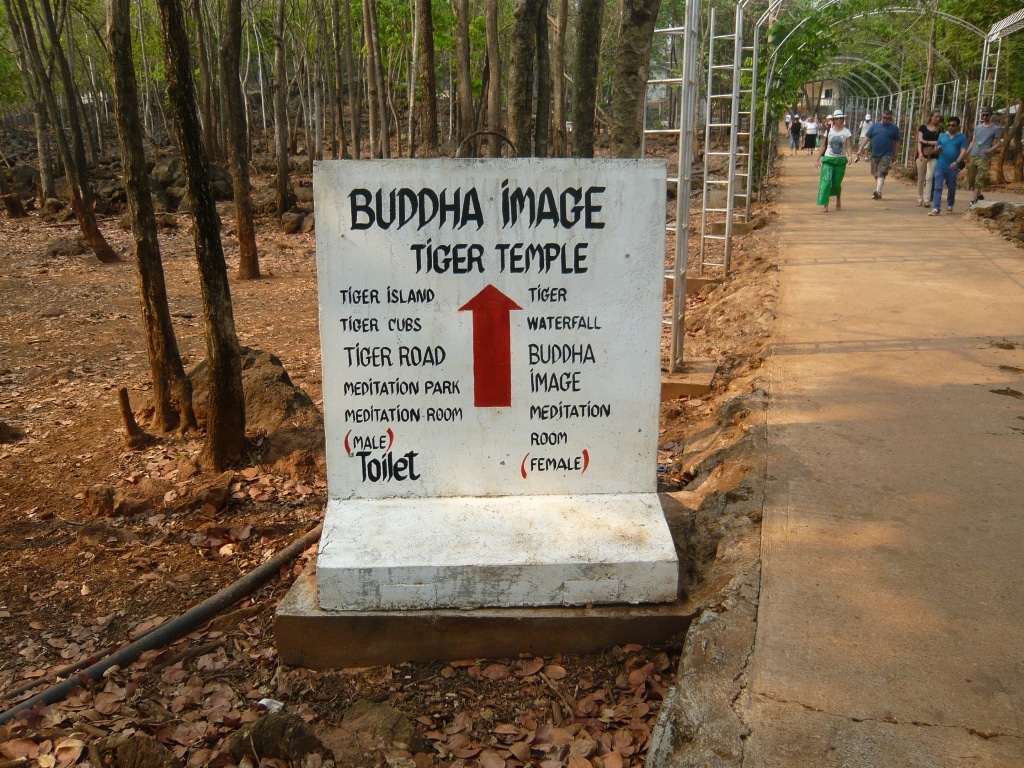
464	553
308	636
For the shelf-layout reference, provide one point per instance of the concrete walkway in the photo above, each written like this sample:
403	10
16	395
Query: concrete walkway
890	630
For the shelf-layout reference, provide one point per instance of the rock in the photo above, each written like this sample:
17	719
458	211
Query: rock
280	736
140	750
187	469
308	223
167	171
291	223
65	246
303	194
214	496
162	202
129	506
369	728
275	407
52	206
141	499
99	500
9	434
25	179
221	183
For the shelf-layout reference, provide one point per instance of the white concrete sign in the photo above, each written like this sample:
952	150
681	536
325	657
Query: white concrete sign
491	333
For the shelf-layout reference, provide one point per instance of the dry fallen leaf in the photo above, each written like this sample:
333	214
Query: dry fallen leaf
527	667
16	748
496	672
68	751
554	671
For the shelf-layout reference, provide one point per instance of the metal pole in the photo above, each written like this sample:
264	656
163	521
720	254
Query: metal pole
687	123
737	83
753	112
707	139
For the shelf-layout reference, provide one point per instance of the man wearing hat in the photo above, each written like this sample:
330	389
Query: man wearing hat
865	124
986	142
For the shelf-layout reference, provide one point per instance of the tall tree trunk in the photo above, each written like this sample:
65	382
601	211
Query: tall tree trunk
636	32
339	103
524	48
428	79
375	76
45	155
588	53
464	76
225	419
558	137
172	390
355	106
929	75
372	107
238	140
207	81
38	113
281	112
72	155
542	126
494	80
1015	142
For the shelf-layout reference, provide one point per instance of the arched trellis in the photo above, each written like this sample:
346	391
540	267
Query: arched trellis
773	56
774	6
873	67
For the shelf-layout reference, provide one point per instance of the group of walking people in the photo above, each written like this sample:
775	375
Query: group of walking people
942	152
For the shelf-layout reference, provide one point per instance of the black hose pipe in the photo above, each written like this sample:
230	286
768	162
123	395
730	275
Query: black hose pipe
174	629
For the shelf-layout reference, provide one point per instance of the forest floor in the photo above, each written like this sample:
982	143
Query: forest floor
75	581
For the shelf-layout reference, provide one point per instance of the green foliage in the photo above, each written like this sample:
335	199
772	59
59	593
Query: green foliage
11	89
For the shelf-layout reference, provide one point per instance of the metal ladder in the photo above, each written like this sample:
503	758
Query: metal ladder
723	95
688	86
989	75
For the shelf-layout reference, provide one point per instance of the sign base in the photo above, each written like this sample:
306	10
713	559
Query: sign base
308	636
506	551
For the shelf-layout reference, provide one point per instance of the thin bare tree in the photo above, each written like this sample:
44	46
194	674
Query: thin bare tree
238	140
225	412
172	389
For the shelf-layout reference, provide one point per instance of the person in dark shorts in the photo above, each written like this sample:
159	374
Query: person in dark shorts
885	141
985	142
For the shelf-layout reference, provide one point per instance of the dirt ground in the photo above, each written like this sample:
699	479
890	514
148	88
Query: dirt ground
76	580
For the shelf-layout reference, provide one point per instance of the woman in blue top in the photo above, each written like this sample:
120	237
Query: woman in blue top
952	147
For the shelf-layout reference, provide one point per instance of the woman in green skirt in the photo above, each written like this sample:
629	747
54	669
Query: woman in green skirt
832	159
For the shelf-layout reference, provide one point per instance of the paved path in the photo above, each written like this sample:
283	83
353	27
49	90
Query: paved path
890	631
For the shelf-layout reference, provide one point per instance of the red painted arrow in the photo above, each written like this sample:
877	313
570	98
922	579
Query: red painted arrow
492	347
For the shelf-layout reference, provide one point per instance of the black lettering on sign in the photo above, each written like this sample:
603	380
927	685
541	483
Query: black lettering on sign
359	296
563	381
388	468
542	258
552	354
459	258
418	356
360	356
562	208
359	324
410	296
549	438
399	207
552	295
